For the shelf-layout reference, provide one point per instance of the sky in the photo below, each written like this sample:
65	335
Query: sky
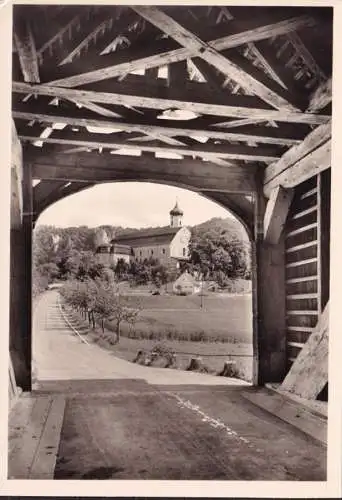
130	204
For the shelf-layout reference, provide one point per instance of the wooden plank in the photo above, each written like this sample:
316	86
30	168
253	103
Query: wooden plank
299	345
292	412
306	329
315	162
202	150
325	215
295	248
309	193
199	48
262	135
302	296
307	211
301	262
276	213
302	313
166	57
302	279
162	104
21	457
316	138
309	373
26	49
44	462
302	229
319	253
321	97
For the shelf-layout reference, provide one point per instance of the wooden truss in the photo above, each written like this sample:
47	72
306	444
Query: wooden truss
224	96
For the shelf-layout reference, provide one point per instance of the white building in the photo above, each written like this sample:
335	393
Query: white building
168	244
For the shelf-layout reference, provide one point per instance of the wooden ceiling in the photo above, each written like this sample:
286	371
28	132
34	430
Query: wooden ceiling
234	86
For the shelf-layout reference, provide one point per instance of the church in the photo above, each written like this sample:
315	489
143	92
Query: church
168	244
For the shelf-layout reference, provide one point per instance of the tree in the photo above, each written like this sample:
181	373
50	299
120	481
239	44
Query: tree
214	249
121	269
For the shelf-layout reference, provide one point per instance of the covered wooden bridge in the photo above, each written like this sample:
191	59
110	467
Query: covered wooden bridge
231	102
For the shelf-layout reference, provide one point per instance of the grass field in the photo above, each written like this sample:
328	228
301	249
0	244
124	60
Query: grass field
223	318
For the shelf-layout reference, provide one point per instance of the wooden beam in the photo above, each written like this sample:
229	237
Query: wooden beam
100	110
275	214
306	55
267	135
43	190
105	167
199	48
92	140
309	373
316	161
58	194
162	104
291	95
99	28
16	181
151	59
317	139
238	204
26	49
321	97
268	54
58	36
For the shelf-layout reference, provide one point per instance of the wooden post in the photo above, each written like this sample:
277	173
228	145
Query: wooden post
270	296
21	289
276	212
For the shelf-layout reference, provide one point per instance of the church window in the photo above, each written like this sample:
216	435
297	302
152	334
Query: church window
164	251
151	252
184	251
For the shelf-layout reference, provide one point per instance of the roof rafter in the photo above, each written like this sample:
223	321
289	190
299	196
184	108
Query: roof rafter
202	150
163	104
321	97
267	135
199	48
166	57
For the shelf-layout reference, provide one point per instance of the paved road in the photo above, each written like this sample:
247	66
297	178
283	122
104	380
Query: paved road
124	421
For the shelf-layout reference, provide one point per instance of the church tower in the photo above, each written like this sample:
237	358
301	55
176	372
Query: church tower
176	216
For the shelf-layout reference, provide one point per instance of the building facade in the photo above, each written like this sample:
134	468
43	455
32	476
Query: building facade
169	244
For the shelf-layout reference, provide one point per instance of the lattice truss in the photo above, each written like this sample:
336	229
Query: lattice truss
226	85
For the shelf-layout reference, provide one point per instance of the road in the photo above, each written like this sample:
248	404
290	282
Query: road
125	421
